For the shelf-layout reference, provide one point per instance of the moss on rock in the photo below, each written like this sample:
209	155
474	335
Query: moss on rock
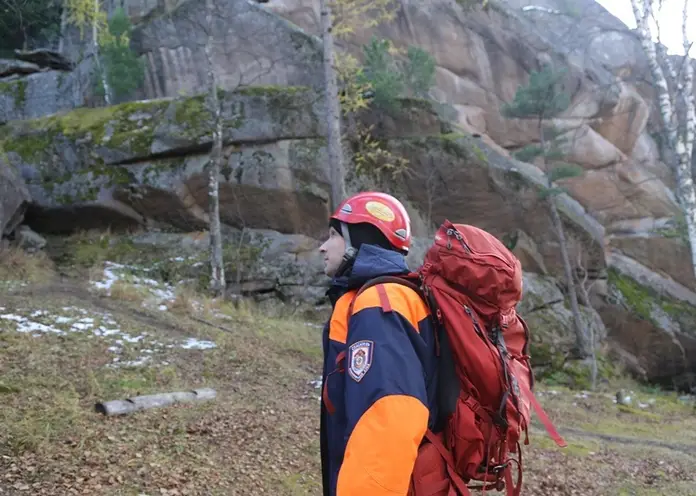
17	89
650	305
116	126
192	116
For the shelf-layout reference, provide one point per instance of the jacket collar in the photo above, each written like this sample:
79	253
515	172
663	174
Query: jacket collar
371	261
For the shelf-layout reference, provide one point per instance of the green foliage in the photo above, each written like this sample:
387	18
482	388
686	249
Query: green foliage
28	24
389	78
382	80
564	171
419	72
528	153
541	98
125	71
381	73
83	14
677	229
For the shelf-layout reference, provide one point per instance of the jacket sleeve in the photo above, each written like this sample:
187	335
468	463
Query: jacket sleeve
385	395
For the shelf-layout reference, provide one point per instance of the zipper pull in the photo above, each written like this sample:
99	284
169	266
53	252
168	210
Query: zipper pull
455	233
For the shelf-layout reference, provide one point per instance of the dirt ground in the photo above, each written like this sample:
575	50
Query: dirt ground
66	344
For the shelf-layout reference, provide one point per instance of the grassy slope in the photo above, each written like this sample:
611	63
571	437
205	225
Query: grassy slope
260	435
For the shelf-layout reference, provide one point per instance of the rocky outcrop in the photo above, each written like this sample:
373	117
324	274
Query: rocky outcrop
652	322
14	197
482	57
144	163
251	47
49	59
546	311
44	92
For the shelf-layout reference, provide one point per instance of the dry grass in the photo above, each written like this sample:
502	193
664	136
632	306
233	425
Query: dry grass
126	291
16	265
52	441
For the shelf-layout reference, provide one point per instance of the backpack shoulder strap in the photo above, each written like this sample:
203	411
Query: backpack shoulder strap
383	298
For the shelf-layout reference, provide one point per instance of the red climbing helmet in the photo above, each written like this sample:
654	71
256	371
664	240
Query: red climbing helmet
381	210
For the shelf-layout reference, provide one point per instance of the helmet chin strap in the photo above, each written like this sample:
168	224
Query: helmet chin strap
349	253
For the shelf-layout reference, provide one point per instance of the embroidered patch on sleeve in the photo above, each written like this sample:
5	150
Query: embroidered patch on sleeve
360	356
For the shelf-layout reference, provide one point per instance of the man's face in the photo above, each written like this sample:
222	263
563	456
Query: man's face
333	250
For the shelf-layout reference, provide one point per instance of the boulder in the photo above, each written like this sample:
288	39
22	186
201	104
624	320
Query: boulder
259	263
28	240
651	324
588	148
14	197
11	67
547	314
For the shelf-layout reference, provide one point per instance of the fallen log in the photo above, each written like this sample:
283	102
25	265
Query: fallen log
137	403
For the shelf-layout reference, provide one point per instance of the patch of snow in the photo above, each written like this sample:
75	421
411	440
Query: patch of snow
138	362
160	293
29	326
193	343
99	325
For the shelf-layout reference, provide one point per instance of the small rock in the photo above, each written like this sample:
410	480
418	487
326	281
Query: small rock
623	398
27	239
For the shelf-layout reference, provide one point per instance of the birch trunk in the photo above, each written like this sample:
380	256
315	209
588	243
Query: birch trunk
63	28
97	58
689	135
585	295
333	111
679	144
138	403
217	268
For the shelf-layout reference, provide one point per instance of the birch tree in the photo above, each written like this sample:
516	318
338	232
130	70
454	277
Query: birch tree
677	110
217	266
89	14
339	18
217	21
333	109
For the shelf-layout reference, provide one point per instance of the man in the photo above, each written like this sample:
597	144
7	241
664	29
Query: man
379	378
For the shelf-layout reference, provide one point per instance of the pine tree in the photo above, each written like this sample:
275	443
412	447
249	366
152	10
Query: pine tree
541	99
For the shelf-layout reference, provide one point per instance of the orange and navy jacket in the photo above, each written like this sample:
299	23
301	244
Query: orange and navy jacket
379	380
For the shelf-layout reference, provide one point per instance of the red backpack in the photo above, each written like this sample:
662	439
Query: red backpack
472	284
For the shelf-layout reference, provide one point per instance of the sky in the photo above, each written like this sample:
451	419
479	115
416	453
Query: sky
669	17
